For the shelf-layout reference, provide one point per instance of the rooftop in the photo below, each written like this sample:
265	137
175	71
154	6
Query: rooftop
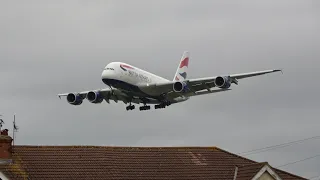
108	162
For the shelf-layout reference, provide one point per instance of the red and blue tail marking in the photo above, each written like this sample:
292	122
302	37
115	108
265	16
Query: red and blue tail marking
181	73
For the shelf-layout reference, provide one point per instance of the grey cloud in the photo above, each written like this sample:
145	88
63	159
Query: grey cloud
48	48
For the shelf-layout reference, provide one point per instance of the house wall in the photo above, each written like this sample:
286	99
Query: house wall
266	176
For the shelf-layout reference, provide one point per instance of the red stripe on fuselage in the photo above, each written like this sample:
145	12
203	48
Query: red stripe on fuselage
185	62
126	66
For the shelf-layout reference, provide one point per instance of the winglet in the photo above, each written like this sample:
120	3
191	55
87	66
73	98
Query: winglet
277	70
59	95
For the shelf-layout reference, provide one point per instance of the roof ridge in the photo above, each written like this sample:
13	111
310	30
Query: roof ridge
236	155
285	172
254	164
97	146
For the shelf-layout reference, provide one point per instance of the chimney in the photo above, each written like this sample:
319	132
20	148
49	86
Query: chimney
5	145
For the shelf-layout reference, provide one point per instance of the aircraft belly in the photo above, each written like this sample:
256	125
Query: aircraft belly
151	91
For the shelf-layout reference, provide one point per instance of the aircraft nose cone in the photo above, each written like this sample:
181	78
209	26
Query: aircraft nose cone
108	74
107	77
105	74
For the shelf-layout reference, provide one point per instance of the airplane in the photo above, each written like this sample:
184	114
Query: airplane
132	85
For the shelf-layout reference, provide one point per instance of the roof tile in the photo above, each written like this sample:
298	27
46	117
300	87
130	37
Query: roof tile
100	162
249	171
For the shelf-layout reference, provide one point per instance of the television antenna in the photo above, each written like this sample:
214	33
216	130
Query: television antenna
15	129
1	122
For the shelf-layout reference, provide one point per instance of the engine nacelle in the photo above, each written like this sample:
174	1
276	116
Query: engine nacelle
74	99
222	82
179	86
94	97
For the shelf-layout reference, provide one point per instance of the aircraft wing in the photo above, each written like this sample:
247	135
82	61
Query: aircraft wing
208	82
194	86
106	94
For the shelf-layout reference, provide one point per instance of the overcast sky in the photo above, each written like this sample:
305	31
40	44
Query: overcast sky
51	47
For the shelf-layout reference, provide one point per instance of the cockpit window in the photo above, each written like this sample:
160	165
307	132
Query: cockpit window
109	69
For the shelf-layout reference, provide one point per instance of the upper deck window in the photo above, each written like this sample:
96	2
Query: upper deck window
109	69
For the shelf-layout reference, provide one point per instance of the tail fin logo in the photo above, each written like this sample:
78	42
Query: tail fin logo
185	62
184	75
182	70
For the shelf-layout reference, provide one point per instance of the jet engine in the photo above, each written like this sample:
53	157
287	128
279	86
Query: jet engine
74	99
179	86
223	82
94	97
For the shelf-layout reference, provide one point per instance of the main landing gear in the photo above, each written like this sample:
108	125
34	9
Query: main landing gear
142	108
159	106
145	107
130	107
162	105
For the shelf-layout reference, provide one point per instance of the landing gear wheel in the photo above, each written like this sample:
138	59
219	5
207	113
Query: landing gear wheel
130	107
142	108
160	106
164	104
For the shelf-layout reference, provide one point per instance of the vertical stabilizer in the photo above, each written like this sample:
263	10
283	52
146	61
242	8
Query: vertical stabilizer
182	70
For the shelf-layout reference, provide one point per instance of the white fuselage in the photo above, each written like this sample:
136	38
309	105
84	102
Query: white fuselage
127	77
